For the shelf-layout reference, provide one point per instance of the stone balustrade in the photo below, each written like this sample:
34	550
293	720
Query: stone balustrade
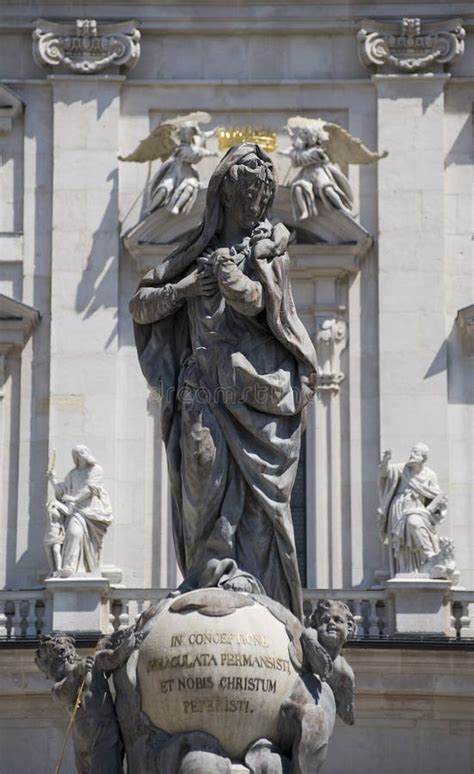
27	613
23	614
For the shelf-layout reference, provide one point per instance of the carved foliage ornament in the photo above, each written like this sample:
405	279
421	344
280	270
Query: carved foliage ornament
411	44
86	47
331	341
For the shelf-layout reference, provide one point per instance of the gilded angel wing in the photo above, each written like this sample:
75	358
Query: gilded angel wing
162	141
343	148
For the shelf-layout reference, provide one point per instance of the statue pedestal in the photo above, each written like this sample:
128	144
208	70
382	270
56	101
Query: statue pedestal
79	603
422	605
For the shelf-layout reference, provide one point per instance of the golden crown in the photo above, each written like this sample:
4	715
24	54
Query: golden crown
226	138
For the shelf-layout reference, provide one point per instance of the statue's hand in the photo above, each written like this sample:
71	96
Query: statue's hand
221	255
86	666
387	455
197	283
264	230
51	475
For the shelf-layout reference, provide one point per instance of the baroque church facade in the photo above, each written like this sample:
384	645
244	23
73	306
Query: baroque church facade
384	286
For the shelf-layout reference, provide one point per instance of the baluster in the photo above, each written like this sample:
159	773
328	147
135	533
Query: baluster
356	605
381	608
374	630
17	620
40	611
31	623
132	612
111	619
116	609
124	618
3	619
464	621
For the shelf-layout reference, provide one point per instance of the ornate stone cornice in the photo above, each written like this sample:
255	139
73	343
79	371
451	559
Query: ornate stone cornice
11	106
86	47
411	44
331	341
17	322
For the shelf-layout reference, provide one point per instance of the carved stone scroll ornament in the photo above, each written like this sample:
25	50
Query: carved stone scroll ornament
411	44
331	341
86	47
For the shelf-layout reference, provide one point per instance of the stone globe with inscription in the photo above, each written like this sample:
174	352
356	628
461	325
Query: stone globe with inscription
221	662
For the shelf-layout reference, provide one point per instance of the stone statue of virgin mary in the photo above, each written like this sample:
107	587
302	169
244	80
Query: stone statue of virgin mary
219	338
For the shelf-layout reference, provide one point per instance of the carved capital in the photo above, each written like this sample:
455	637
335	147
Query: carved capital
331	341
86	47
411	44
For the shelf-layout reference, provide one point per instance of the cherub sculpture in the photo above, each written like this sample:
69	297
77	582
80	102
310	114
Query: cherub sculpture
318	148
180	143
325	688
53	540
335	624
81	685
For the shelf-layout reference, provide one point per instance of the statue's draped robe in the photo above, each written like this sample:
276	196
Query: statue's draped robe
234	379
87	525
407	524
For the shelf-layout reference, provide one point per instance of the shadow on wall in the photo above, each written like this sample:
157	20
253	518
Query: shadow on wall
370	416
96	290
461	149
460	370
459	367
38	214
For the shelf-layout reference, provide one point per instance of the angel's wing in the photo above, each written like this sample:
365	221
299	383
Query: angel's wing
342	684
162	143
343	148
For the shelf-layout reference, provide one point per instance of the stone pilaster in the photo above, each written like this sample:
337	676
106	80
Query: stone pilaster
412	326
85	270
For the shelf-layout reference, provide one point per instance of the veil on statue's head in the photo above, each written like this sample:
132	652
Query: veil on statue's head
181	258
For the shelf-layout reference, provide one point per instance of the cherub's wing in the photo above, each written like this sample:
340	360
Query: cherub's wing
343	148
317	658
342	684
162	143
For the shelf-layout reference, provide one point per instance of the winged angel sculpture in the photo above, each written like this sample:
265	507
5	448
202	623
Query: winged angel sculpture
317	149
180	143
